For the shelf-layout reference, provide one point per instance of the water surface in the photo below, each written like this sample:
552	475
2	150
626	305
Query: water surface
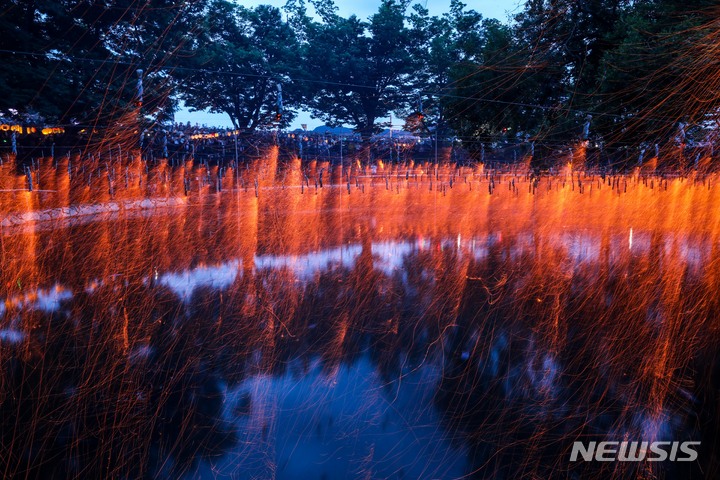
318	321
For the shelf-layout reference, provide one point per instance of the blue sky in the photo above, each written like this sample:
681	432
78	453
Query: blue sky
362	8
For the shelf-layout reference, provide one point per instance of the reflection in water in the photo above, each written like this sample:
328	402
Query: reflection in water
412	323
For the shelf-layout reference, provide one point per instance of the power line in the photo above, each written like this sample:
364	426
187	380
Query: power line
410	90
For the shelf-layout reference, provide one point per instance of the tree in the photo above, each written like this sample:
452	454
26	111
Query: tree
439	45
68	61
40	40
662	72
494	90
237	64
356	72
539	77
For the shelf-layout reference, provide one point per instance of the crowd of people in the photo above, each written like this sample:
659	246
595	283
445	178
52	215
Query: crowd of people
208	143
182	141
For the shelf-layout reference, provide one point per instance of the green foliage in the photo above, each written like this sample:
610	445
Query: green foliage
661	72
537	77
66	60
237	63
355	71
440	45
490	90
638	67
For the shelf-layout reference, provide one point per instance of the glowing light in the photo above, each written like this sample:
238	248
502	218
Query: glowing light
53	131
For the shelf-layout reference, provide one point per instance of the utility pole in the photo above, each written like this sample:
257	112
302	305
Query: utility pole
236	149
138	103
586	128
140	90
278	116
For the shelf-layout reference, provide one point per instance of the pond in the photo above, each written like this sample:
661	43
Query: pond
294	320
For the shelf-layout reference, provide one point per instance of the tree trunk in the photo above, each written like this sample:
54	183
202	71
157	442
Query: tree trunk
366	130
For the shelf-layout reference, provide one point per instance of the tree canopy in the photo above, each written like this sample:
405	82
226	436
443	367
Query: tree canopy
635	70
238	64
78	61
355	71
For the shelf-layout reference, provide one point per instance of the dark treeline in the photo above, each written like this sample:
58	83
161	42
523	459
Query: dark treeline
617	72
